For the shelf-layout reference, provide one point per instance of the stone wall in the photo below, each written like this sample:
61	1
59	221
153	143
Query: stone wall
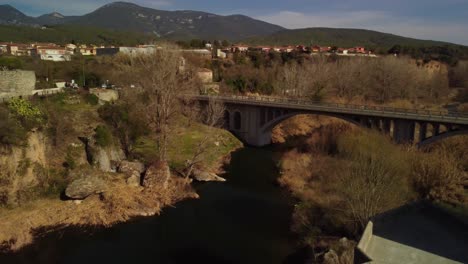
17	83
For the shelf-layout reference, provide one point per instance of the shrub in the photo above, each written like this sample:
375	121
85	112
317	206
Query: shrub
29	115
10	63
103	136
11	131
91	99
438	175
127	125
375	179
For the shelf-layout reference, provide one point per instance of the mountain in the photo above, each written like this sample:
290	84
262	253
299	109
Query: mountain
11	16
54	18
180	25
341	37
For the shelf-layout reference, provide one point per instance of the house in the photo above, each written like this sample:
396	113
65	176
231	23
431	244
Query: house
205	75
87	51
342	51
3	48
53	53
361	50
20	50
43	44
239	48
222	54
301	48
315	49
287	49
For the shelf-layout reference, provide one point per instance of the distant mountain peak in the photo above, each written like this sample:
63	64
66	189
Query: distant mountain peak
56	15
120	4
9	8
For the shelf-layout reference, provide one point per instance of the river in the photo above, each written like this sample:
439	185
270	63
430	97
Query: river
244	220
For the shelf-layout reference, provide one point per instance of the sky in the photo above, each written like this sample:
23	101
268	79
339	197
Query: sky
445	20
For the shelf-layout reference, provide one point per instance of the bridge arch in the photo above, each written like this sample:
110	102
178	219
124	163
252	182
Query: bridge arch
227	119
268	127
253	118
237	120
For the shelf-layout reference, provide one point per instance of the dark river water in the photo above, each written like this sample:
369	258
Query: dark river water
245	220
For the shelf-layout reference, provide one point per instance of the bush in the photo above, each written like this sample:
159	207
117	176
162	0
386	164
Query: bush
11	131
29	115
10	63
103	136
376	177
438	175
127	125
91	99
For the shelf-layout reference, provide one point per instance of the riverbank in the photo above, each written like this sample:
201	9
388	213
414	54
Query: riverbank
243	220
119	203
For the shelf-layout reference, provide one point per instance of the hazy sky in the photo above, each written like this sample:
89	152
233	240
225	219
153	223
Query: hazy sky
445	20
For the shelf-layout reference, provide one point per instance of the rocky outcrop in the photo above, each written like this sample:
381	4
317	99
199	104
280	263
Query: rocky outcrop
84	187
157	176
132	171
22	168
205	176
106	159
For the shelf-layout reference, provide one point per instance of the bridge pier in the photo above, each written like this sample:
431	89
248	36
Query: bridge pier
422	131
403	131
386	126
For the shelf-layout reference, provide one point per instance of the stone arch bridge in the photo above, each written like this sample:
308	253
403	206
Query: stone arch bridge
252	118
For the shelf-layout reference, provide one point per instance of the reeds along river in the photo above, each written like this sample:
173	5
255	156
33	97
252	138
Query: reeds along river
244	220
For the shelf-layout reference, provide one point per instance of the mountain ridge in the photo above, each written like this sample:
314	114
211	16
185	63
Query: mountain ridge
124	16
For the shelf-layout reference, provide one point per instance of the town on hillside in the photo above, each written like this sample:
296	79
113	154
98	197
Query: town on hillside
56	52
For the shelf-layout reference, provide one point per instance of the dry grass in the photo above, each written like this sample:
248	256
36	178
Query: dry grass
118	204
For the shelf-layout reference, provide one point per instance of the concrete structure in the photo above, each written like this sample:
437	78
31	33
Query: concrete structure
17	83
105	95
252	118
415	233
126	50
53	53
205	75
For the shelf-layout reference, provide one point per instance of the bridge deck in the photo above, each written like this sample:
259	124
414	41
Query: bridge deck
336	108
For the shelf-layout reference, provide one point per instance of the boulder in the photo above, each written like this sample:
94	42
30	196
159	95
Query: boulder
205	176
129	167
132	171
84	187
103	158
157	176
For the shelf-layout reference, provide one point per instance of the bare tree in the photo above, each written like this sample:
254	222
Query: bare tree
213	113
160	79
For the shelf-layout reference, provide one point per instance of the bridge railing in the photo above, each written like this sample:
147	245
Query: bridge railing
366	108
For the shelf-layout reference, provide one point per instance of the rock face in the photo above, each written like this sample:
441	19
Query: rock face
133	171
21	168
103	158
204	176
157	176
84	187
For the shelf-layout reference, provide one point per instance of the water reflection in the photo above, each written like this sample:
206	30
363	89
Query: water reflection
245	220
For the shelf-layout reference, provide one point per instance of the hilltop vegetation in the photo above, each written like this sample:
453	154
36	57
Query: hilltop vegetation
379	42
63	34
